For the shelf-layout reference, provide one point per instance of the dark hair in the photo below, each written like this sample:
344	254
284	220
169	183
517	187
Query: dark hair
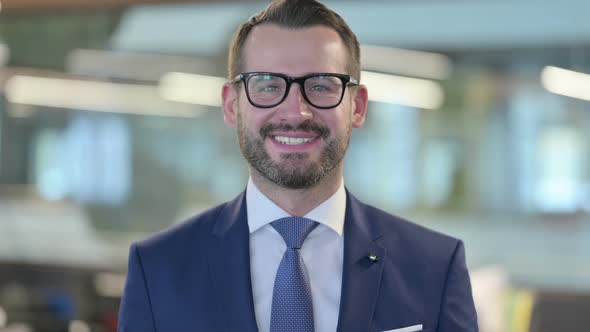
295	14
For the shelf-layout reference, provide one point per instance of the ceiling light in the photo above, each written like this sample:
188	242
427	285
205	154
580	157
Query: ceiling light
92	96
566	82
413	92
192	88
405	62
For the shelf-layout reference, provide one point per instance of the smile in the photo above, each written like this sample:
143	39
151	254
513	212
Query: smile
293	140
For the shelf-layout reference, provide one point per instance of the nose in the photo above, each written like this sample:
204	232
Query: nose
294	108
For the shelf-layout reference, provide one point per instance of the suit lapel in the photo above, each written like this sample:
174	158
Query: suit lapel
361	276
229	261
230	267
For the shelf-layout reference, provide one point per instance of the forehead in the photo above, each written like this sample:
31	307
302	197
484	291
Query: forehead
294	51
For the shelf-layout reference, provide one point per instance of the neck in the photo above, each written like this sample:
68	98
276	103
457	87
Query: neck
298	202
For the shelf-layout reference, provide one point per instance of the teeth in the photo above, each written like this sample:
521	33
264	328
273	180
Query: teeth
292	140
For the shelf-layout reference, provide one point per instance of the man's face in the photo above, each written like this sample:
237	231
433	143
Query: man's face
294	144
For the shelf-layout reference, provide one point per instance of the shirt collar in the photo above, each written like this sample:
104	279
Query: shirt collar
261	210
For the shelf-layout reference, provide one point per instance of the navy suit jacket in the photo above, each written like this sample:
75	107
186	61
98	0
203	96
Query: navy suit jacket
196	276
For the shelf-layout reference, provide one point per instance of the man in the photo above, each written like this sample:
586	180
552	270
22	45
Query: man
296	251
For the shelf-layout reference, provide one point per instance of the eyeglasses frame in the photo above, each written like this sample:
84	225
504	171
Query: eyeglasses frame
244	77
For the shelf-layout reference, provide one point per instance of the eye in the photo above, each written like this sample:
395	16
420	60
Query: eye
323	85
266	84
320	88
269	88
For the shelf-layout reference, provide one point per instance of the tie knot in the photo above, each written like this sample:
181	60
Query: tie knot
294	230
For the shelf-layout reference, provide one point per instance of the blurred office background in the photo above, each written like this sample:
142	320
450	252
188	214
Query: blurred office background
110	130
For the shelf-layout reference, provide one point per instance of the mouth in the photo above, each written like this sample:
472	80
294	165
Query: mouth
286	140
301	138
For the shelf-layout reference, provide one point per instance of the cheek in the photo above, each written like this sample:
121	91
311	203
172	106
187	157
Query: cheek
250	119
339	120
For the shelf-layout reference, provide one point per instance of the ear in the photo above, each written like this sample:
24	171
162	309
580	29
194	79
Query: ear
359	103
229	105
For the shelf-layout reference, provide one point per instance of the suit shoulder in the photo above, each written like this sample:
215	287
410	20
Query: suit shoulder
191	230
413	236
411	226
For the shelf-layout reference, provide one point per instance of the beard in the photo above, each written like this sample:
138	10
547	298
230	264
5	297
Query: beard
294	170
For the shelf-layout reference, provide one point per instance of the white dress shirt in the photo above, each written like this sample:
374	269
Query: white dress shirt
322	253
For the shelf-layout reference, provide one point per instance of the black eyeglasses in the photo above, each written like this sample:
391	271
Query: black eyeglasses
322	90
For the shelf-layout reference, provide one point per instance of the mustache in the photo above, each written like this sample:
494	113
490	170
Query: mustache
306	126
